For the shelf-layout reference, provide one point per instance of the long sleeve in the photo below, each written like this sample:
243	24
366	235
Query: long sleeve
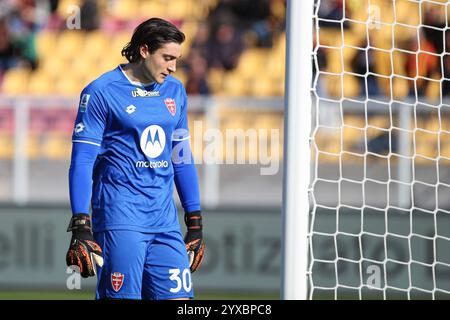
185	177
185	173
80	175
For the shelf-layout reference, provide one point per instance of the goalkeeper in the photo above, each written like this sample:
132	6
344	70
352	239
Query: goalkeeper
130	144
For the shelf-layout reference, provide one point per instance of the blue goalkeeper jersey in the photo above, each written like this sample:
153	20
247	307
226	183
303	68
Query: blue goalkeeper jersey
134	125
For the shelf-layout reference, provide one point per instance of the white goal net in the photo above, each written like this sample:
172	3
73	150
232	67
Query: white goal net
380	149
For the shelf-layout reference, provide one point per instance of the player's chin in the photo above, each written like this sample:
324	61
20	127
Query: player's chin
161	78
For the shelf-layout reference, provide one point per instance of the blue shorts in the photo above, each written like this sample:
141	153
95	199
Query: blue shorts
143	266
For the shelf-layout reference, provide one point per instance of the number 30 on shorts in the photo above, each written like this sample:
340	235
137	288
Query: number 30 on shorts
182	282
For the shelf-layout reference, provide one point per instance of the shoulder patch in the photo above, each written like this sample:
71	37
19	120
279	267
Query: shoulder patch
84	102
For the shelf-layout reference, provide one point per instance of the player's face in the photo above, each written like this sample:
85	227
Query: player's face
158	65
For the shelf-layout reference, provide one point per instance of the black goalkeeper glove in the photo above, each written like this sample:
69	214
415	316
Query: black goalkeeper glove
83	252
194	239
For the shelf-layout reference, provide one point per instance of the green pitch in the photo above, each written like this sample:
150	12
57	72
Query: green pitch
89	295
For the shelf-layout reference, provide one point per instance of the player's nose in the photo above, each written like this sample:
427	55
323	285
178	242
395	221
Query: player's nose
172	67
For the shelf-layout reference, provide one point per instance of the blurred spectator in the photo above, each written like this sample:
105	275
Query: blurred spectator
25	18
446	62
363	63
89	15
225	44
54	21
253	16
9	53
255	19
427	64
197	69
331	11
200	40
433	25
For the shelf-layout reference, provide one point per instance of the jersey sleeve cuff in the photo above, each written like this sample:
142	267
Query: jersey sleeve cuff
88	141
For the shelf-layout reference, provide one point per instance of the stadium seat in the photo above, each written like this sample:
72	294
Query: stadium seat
399	63
179	9
381	37
433	124
351	86
333	85
157	8
330	37
334	57
251	61
354	121
278	86
56	146
234	85
46	43
232	119
125	10
40	83
426	144
33	147
351	137
433	91
262	87
65	6
80	68
215	79
379	122
400	88
279	46
356	36
407	12
445	145
53	65
275	66
328	140
118	42
96	45
268	120
15	81
70	44
6	133
106	64
189	28
6	147
68	85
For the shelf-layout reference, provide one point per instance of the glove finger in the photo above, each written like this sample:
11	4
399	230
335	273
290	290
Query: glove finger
73	259
97	259
93	247
88	270
196	263
191	255
198	259
191	246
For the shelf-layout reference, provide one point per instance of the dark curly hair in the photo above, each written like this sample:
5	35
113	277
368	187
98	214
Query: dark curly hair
154	32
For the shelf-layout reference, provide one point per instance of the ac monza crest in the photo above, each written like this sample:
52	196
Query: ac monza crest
117	280
170	104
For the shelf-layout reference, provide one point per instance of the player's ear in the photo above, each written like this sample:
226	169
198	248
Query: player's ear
143	50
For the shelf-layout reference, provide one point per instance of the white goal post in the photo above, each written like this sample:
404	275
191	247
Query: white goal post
366	186
296	149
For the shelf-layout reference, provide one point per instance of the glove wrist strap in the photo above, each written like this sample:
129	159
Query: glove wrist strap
80	222
193	221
